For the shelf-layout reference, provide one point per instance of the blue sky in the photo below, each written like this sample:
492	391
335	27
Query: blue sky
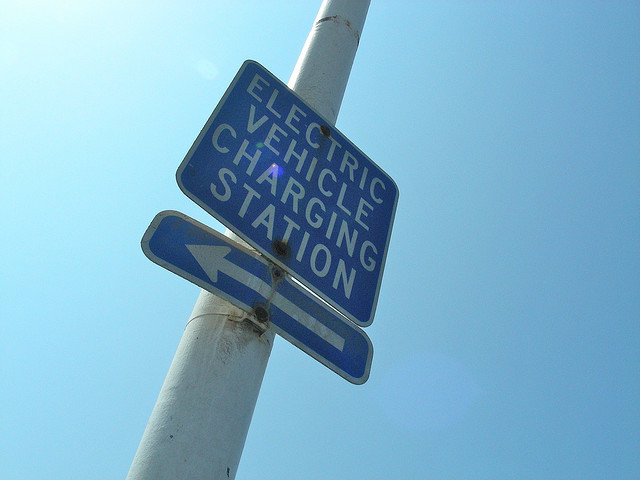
507	333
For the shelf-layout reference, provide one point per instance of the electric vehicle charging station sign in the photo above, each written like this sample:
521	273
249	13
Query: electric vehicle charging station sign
287	182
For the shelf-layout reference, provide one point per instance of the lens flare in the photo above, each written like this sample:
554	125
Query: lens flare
276	170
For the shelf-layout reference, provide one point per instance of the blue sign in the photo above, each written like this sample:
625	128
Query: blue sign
225	268
291	185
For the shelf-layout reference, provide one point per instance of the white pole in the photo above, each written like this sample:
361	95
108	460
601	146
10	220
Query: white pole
321	73
199	423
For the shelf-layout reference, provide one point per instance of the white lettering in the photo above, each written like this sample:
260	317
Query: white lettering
361	212
270	175
321	272
343	233
272	99
369	264
303	246
271	136
216	136
311	126
363	180
316	222
343	189
253	159
312	167
341	273
332	148
295	196
375	181
323	173
353	164
332	222
292	116
252	126
222	173
251	194
254	84
290	226
301	157
266	219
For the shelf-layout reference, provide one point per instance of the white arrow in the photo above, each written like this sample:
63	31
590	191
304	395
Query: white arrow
212	260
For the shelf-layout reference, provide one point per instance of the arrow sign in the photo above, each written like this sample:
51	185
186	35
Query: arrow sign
212	260
296	189
244	278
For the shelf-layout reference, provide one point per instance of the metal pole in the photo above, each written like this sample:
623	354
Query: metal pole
199	423
321	73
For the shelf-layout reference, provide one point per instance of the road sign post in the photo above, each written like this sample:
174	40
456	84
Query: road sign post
212	385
